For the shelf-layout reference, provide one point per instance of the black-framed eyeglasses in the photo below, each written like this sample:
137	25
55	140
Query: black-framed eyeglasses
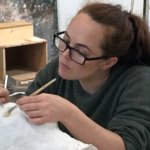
75	55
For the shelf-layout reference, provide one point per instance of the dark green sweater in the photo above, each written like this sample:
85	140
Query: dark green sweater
121	105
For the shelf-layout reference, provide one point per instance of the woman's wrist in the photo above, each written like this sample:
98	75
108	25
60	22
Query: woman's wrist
71	113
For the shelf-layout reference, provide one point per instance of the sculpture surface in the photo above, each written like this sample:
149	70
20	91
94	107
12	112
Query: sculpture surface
18	134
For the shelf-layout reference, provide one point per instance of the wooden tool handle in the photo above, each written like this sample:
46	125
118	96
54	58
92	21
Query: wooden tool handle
43	87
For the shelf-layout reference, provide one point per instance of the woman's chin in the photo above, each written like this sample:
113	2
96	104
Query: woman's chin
63	74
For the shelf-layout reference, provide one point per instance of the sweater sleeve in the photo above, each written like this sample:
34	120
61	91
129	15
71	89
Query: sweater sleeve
46	74
132	118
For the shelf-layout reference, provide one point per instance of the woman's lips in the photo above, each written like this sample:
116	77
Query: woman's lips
63	66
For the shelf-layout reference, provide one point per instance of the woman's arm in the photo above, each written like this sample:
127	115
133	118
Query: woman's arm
86	130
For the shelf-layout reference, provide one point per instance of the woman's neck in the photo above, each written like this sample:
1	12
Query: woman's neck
91	85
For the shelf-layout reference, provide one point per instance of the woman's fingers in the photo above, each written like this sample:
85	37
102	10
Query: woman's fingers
27	100
4	93
33	114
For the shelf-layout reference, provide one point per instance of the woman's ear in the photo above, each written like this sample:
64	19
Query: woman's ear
110	62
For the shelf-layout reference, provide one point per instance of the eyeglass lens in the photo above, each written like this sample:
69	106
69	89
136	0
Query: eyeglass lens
74	54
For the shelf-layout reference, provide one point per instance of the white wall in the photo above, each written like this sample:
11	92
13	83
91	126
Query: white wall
127	5
68	8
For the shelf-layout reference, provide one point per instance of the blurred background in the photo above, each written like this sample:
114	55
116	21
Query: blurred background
49	16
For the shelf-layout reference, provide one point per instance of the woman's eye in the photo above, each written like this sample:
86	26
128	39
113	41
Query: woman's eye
66	41
83	51
65	38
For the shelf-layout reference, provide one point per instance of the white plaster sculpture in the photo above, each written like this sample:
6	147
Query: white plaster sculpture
16	133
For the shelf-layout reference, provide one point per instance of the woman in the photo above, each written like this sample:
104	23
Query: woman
101	95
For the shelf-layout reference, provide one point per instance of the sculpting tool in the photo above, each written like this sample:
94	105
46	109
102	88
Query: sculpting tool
8	112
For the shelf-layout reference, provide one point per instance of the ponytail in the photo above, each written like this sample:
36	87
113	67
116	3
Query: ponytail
139	52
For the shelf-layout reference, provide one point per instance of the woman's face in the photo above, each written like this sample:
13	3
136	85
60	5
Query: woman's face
85	35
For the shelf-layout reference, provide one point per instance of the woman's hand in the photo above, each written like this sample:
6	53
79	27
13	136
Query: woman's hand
4	94
45	108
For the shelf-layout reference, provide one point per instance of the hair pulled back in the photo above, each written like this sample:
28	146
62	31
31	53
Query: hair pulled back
126	35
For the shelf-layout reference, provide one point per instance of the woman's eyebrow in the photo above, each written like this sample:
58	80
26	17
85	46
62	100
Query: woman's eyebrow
67	35
79	44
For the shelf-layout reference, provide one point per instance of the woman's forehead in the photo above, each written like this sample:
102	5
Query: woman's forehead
83	22
83	29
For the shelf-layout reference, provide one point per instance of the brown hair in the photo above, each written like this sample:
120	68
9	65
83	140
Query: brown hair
126	35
